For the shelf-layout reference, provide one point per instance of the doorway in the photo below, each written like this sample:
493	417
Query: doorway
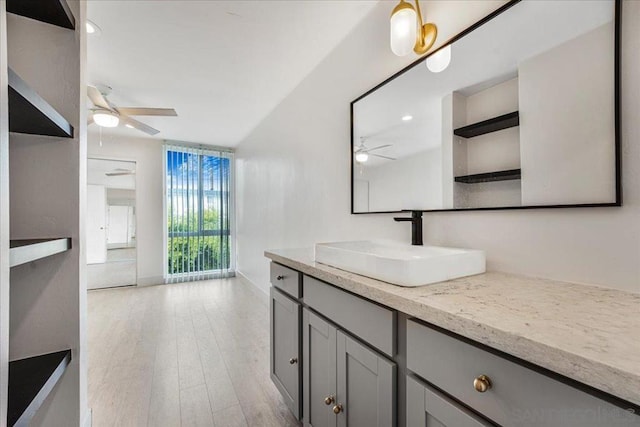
111	223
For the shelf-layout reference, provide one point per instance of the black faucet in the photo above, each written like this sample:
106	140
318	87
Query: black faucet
416	227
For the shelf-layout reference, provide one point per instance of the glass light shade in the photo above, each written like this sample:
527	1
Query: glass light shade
106	119
440	60
404	27
362	157
92	28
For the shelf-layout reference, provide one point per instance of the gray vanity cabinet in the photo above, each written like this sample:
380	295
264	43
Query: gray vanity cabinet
345	383
319	356
430	408
285	348
366	386
503	390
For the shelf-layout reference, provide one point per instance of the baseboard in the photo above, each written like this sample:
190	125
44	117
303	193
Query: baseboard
263	289
150	281
88	419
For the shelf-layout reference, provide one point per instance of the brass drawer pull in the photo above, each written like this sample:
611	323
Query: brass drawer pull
337	409
482	383
329	400
280	278
293	360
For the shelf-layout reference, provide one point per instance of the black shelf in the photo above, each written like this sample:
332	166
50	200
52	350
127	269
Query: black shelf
29	113
507	175
30	382
23	251
492	125
56	12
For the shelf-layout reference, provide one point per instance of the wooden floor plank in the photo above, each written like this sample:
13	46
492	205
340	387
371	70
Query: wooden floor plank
182	355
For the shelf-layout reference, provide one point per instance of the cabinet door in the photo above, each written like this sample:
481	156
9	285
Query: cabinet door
429	408
366	386
285	348
319	365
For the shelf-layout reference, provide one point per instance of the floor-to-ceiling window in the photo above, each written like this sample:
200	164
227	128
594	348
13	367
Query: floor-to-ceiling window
199	213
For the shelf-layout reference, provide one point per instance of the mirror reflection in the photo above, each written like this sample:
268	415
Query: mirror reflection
522	115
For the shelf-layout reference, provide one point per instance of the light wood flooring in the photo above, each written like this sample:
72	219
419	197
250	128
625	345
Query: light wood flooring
191	354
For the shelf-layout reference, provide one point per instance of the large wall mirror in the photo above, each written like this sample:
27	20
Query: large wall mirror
525	115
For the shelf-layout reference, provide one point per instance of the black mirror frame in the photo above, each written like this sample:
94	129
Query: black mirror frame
617	131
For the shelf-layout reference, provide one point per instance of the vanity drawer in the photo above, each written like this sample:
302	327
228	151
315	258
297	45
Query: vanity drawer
368	321
286	279
518	396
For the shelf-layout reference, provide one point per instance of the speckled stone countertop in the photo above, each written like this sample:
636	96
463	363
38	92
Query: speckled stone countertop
586	333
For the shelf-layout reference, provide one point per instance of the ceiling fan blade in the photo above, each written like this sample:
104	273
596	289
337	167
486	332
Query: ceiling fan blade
382	157
90	119
140	111
120	173
126	120
97	98
379	147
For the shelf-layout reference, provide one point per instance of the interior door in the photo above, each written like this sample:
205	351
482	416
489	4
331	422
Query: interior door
319	365
96	224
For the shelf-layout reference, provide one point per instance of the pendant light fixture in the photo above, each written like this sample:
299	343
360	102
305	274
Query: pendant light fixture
408	32
440	60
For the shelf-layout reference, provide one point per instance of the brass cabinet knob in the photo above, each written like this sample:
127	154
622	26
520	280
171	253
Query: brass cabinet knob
482	383
329	400
280	278
337	409
293	360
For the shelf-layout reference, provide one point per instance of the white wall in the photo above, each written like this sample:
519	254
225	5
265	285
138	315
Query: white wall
418	175
293	179
147	153
567	122
293	174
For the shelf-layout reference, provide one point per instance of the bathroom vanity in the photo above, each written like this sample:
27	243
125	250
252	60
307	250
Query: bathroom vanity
491	349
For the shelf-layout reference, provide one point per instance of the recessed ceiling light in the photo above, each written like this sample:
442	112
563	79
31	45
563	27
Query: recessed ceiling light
406	118
92	28
129	126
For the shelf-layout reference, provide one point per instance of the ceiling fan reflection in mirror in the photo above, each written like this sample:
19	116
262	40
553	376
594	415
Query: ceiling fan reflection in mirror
105	114
362	152
120	172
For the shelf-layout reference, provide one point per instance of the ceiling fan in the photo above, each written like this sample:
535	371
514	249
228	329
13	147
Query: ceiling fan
106	114
362	152
120	172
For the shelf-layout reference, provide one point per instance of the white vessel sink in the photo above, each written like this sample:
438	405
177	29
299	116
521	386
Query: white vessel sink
401	264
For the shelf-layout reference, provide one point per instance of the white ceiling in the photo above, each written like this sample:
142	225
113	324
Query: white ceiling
223	65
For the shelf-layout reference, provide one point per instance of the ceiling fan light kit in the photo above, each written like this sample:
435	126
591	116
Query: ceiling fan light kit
105	114
106	118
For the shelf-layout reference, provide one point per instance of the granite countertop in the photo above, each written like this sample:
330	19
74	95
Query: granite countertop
586	333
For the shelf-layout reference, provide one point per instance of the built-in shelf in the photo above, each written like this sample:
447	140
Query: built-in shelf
490	177
492	125
23	251
29	113
30	382
56	12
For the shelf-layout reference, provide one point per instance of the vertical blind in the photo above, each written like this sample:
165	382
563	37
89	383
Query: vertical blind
199	213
